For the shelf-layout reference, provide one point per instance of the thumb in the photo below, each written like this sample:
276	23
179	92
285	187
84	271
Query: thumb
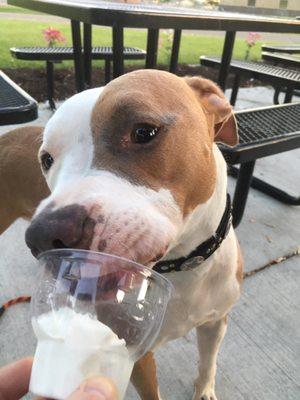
97	388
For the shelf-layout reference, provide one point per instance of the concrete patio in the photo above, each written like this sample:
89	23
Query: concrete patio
260	356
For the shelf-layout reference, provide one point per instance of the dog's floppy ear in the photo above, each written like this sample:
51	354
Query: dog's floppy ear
217	110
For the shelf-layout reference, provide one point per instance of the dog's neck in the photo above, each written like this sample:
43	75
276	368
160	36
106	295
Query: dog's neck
204	220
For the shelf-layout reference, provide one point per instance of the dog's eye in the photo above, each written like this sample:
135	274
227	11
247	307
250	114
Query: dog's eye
47	161
143	133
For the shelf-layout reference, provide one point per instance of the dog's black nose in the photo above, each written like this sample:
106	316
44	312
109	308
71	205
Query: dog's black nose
66	227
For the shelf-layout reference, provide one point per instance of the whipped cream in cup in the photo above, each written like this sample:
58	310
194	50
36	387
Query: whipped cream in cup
72	347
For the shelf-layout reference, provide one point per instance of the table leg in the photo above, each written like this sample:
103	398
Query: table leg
226	59
152	46
235	88
175	51
267	189
107	72
87	46
118	51
50	84
289	94
241	191
78	64
276	95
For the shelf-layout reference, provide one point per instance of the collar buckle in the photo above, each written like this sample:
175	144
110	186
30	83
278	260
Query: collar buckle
228	224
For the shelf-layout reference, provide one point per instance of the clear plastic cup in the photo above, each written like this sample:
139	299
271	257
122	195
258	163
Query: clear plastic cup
92	314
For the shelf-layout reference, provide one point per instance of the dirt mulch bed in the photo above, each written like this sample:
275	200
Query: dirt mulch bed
33	81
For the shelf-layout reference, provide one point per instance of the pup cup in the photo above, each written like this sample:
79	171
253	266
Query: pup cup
92	314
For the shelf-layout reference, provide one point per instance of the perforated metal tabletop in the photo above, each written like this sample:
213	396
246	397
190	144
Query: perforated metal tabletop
268	124
265	131
157	16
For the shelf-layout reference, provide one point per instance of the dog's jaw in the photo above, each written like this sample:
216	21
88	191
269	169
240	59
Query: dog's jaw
131	221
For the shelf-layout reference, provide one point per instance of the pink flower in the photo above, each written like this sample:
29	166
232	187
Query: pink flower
52	36
252	38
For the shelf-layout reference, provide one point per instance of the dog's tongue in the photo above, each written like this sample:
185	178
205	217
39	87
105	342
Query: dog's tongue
102	283
111	283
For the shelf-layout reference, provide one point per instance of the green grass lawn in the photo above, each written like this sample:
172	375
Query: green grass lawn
29	33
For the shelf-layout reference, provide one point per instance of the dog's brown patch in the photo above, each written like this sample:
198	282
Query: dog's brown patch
87	233
144	377
181	157
21	181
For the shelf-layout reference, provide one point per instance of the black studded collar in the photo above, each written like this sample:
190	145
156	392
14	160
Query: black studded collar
203	251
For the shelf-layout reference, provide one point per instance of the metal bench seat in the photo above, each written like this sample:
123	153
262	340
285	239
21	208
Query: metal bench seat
292	49
16	106
277	76
281	58
60	53
263	132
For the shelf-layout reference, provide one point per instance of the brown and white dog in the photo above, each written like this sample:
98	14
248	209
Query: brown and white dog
134	170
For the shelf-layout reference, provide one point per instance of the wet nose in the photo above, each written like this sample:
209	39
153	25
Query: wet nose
66	227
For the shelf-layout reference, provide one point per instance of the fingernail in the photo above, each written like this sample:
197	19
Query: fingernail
95	392
101	387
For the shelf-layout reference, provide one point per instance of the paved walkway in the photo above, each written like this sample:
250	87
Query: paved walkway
260	357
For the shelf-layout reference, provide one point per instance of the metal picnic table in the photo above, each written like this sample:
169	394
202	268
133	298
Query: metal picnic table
152	17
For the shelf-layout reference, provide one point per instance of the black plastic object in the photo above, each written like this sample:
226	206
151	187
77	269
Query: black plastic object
60	53
16	106
281	58
292	49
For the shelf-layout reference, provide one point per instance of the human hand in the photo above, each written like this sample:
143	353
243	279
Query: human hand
14	383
